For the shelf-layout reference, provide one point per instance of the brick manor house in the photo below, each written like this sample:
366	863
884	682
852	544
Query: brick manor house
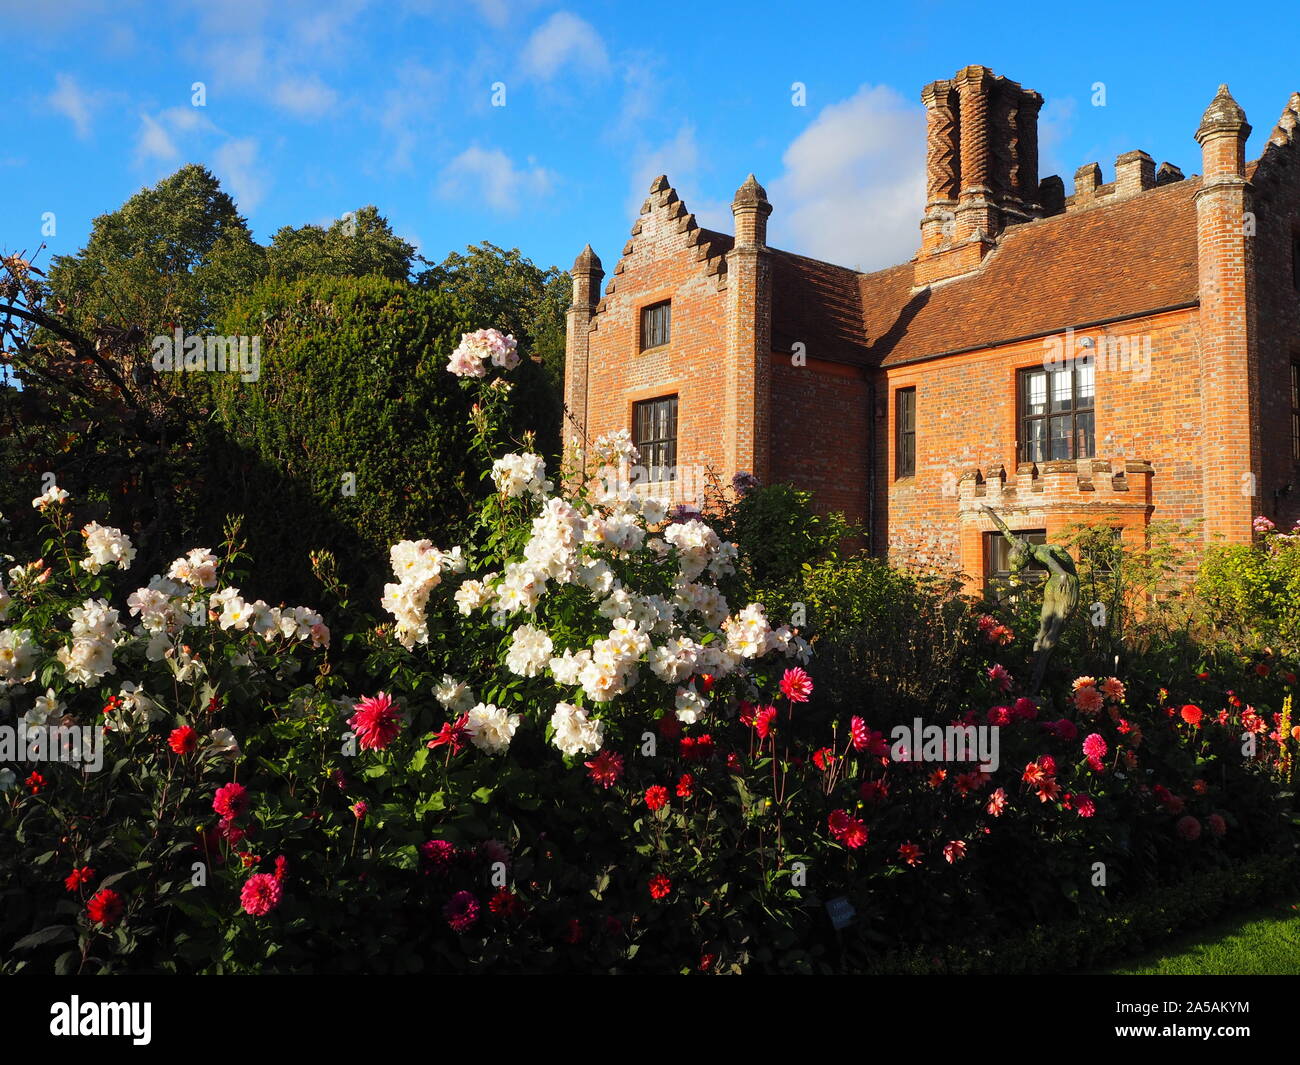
1126	353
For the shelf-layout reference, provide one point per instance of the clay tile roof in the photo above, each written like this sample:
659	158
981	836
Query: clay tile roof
819	305
1096	264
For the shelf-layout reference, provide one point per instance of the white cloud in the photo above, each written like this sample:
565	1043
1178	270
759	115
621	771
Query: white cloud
1055	123
159	133
853	188
564	40
679	160
493	176
404	111
306	97
235	164
154	142
69	100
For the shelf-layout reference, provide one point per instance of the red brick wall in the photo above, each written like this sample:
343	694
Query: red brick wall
966	414
819	418
662	263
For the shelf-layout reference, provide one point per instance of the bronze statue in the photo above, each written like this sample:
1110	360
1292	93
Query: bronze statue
1060	593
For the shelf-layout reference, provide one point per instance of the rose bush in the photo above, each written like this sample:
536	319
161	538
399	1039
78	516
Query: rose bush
570	743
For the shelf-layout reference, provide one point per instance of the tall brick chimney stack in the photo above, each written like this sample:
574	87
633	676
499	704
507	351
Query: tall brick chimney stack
1229	371
981	168
942	164
747	363
587	274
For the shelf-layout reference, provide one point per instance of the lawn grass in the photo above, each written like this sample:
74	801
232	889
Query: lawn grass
1264	941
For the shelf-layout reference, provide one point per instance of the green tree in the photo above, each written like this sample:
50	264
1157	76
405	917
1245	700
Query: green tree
507	290
356	245
172	255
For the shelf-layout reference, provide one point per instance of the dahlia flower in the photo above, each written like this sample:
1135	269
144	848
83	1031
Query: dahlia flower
260	894
376	722
461	911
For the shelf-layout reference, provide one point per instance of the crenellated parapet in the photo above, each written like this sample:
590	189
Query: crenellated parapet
1074	485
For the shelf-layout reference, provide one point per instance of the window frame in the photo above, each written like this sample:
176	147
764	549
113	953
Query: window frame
904	434
653	447
1002	584
667	307
1024	419
1295	410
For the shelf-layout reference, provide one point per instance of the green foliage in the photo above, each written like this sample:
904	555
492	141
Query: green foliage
354	436
746	844
1253	590
781	535
1124	930
172	255
886	640
357	245
507	290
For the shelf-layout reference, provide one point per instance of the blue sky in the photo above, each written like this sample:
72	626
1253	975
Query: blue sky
314	107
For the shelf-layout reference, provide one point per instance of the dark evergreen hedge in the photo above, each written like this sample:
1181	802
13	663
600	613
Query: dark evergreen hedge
353	382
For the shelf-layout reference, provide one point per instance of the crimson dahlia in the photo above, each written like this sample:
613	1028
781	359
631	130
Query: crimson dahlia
376	721
105	908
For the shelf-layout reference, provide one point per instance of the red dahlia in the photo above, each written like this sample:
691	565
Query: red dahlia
105	908
656	797
376	721
796	685
183	740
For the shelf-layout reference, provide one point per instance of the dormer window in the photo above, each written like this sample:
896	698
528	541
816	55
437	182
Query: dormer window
656	325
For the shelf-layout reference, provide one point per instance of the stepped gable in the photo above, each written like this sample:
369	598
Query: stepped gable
664	213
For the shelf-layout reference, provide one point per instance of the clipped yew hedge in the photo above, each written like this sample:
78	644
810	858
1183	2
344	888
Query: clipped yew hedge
354	436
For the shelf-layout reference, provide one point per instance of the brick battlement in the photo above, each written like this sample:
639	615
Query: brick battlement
1072	485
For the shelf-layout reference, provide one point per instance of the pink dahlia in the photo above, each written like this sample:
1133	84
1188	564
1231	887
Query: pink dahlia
1088	699
1094	749
376	721
231	801
1084	806
461	912
954	851
1063	729
765	721
606	768
1188	828
261	894
796	685
997	803
1024	709
1218	826
438	855
1000	677
860	734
